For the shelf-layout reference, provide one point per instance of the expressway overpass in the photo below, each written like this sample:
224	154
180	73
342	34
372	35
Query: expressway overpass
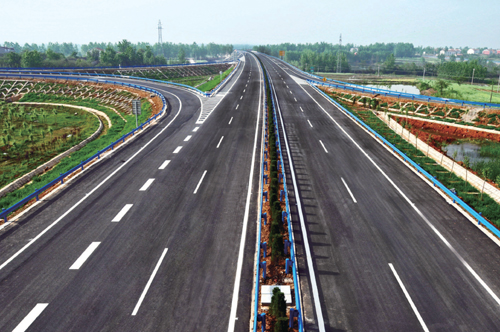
161	235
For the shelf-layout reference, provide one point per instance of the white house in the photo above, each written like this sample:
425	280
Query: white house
473	51
5	50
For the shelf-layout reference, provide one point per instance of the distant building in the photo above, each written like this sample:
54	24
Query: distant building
5	50
473	51
354	50
489	52
100	50
498	51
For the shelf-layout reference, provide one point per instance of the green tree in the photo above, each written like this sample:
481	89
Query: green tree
441	85
51	55
108	57
390	63
13	60
31	59
181	55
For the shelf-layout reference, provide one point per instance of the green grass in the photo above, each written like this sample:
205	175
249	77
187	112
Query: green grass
33	135
213	83
118	129
481	203
478	93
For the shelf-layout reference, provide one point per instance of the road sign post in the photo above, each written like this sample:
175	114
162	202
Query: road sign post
282	54
136	109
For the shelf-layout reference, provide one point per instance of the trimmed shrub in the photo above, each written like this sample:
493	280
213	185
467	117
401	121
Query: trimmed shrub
278	304
281	325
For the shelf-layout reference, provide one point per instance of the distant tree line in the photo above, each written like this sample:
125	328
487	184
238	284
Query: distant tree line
123	53
383	58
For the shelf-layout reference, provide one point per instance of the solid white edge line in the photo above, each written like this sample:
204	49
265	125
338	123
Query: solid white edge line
310	123
188	137
196	129
150	281
146	185
30	318
239	265
220	142
230	120
408	297
84	256
467	266
323	146
177	149
95	188
122	212
305	239
349	190
164	165
199	183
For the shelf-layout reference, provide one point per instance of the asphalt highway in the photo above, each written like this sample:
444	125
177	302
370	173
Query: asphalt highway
152	238
388	252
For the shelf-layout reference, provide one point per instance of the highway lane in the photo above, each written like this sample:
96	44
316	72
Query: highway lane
169	262
358	222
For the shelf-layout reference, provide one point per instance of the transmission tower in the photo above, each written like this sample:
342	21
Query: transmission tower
339	62
160	41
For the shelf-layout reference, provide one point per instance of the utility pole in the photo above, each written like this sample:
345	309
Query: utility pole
378	70
473	71
423	76
339	61
498	86
492	85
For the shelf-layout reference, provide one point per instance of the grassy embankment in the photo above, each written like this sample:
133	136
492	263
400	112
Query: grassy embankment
118	129
33	135
216	80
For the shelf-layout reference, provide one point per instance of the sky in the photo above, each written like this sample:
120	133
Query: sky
436	23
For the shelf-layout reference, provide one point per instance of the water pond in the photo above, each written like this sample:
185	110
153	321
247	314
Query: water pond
463	149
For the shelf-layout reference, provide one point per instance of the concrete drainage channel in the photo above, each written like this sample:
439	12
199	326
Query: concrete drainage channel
272	180
60	180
